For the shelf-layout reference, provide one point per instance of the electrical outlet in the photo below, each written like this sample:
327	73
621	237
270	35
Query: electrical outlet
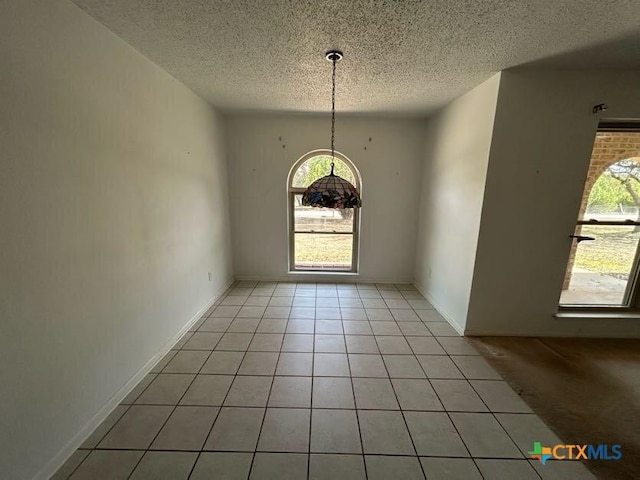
209	276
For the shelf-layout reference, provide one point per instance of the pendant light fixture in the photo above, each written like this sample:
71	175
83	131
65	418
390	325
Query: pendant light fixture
332	191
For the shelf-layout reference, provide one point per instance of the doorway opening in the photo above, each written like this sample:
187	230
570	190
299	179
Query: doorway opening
603	265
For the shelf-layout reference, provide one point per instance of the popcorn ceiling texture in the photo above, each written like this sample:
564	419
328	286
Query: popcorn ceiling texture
403	57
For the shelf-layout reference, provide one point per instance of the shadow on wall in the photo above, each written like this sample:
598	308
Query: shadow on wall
425	211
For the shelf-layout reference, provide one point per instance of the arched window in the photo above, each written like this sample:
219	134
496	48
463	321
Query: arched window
321	239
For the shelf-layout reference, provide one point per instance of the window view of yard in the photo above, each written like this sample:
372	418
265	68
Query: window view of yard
599	269
323	251
611	253
602	266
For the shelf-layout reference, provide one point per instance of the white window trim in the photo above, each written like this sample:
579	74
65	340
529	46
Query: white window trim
293	191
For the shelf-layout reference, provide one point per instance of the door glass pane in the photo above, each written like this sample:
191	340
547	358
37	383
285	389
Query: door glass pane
314	219
317	251
601	268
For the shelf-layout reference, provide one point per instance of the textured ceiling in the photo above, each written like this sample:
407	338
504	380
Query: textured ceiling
401	56
619	53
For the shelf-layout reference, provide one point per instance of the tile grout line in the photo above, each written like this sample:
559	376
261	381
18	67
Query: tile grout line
221	402
313	357
442	403
364	458
489	411
447	412
404	418
313	350
266	407
355	406
401	455
200	321
175	407
235	376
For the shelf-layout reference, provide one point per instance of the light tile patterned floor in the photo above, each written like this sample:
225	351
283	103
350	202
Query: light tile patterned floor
295	381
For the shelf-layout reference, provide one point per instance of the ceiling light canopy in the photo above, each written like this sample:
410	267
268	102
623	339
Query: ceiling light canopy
332	191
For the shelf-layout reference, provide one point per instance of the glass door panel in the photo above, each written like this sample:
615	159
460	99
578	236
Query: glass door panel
603	267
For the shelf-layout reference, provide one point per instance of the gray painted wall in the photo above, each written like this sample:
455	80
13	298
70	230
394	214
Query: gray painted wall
113	205
390	165
456	156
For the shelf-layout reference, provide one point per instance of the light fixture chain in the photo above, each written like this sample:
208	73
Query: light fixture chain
333	112
332	191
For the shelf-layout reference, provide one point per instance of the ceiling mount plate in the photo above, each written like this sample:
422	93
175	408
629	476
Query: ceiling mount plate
334	55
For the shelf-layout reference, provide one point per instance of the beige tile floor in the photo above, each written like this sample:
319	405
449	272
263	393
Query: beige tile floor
320	381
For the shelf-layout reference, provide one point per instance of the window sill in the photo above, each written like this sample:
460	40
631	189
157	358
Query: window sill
599	315
322	272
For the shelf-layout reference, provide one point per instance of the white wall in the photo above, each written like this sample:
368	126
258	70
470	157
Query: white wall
113	206
543	135
259	165
456	157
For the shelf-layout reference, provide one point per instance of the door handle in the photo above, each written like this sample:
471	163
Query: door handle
581	238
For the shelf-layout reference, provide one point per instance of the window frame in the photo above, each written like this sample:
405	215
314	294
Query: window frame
291	232
631	300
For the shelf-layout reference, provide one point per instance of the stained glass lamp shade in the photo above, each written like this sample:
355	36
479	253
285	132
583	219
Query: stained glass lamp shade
331	191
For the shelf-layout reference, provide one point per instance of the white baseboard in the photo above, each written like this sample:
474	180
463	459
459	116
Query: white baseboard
72	445
454	324
320	277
